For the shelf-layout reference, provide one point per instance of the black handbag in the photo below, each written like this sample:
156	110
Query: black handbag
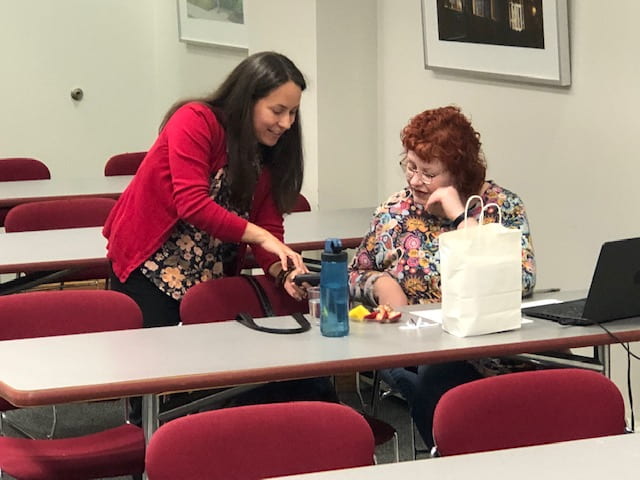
248	321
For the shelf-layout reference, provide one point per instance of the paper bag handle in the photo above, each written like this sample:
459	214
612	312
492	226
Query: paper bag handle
484	207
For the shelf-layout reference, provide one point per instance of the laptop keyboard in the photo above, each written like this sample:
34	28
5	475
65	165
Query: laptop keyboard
560	312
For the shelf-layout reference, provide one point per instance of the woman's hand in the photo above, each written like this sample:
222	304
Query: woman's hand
445	202
295	291
259	236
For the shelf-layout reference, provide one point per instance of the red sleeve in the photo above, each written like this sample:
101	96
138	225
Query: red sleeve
265	214
197	146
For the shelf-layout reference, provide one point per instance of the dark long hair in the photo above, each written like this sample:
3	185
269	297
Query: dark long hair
233	104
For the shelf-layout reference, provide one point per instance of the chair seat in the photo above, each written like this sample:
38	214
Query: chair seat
382	431
113	452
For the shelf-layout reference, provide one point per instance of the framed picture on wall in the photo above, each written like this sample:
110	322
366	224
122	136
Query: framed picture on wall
522	40
212	22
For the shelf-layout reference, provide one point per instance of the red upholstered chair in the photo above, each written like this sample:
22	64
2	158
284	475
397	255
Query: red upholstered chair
527	408
116	451
223	298
302	204
64	213
13	169
123	164
260	441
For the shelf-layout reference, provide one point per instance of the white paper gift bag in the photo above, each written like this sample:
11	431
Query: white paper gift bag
481	278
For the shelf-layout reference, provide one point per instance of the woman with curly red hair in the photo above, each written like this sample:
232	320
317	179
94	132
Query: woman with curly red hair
398	261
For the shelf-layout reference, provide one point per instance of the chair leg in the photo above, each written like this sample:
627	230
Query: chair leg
375	393
396	446
54	423
414	452
359	392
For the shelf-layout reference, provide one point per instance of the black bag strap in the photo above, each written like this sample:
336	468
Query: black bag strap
267	309
248	321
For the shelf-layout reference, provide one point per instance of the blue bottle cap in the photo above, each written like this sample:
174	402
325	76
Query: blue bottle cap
333	251
332	245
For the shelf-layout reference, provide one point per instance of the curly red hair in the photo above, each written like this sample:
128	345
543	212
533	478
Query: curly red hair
446	134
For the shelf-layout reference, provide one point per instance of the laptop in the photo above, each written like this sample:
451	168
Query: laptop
614	292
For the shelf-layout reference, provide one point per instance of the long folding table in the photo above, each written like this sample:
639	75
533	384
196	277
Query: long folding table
589	459
150	362
81	247
24	191
73	248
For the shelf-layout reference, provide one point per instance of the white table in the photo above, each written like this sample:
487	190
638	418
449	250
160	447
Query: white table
308	230
616	457
50	370
23	191
82	247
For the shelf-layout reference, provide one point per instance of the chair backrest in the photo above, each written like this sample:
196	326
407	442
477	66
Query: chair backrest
527	408
223	298
14	169
260	441
302	204
66	312
63	213
123	164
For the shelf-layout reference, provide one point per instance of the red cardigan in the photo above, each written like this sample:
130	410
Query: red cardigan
172	183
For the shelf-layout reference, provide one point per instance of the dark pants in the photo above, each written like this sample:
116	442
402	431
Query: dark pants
423	389
158	308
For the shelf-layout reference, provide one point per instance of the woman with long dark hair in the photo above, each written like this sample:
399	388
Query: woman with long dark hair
221	174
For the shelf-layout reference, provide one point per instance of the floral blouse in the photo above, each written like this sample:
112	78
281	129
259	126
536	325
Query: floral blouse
190	256
403	242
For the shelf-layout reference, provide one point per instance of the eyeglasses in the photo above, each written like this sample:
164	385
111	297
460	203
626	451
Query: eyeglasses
410	170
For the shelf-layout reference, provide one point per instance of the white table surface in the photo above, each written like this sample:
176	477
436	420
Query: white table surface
52	249
616	457
113	364
348	224
14	193
77	247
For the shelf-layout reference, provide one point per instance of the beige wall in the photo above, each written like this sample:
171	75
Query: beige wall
124	55
335	45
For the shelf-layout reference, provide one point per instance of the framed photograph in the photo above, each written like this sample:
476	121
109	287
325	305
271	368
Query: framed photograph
522	40
212	22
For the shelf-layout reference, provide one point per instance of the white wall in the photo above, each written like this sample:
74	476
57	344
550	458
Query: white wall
47	48
127	58
569	152
334	44
347	103
184	69
273	29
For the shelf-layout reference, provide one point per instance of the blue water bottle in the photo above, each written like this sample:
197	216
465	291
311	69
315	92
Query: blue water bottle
334	290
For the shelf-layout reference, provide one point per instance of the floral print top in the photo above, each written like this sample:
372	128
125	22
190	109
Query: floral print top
190	256
403	242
